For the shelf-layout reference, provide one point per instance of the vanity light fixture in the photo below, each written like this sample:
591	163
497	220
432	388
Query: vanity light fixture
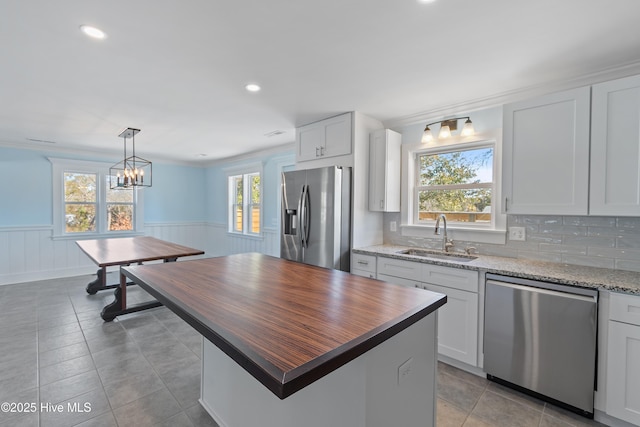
93	32
446	127
133	171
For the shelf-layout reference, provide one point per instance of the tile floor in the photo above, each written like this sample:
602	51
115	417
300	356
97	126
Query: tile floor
143	369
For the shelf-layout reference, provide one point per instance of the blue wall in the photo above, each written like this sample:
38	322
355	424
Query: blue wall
25	189
178	193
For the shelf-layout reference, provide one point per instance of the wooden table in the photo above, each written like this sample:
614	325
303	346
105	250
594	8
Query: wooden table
126	251
287	324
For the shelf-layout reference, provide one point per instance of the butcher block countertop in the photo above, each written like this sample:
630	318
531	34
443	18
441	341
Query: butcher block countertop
288	324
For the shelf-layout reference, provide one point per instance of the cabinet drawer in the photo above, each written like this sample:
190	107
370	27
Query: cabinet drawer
399	268
624	308
363	273
400	281
363	262
456	278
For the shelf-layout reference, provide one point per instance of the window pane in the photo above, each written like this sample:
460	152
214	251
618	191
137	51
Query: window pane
255	218
458	167
237	218
239	190
470	205
120	217
122	195
255	188
80	218
79	187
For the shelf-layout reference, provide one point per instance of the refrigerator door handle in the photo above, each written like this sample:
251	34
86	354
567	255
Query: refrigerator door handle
307	218
301	215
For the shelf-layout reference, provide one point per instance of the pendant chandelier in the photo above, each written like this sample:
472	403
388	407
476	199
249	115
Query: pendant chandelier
133	171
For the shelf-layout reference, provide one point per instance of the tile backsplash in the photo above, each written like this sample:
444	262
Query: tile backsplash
611	242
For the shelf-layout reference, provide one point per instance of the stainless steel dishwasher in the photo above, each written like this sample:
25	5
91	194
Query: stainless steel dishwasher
540	338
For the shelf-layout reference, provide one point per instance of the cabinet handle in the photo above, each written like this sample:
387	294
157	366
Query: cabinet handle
321	151
361	262
506	204
381	203
317	148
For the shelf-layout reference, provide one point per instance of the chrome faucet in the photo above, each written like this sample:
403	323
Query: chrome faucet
446	243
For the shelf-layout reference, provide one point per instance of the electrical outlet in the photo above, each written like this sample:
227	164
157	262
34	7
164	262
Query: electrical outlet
404	371
392	226
517	233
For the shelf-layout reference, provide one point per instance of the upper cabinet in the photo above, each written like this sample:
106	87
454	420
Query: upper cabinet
384	171
615	148
546	154
327	138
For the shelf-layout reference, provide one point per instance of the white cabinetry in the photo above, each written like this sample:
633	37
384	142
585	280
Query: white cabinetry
363	265
623	358
384	171
546	154
326	138
458	318
615	148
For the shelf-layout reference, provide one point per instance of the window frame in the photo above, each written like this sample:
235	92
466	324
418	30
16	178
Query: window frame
246	172
481	233
101	170
454	149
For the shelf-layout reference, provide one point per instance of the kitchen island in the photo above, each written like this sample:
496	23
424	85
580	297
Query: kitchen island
289	344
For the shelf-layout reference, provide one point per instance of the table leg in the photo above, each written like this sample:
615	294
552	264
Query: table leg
119	305
100	282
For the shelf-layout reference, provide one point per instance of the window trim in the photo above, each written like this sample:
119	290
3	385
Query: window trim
245	171
101	169
496	233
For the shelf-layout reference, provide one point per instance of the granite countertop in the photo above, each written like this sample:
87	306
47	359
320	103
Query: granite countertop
566	274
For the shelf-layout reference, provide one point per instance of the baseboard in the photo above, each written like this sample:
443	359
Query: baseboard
32	276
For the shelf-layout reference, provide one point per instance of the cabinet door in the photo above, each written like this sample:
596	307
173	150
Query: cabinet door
337	136
546	154
615	148
384	171
623	372
309	139
458	324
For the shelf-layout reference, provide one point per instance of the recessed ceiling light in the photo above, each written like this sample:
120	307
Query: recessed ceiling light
252	87
426	1
93	32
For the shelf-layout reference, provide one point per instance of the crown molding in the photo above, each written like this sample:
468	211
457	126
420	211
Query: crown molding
499	99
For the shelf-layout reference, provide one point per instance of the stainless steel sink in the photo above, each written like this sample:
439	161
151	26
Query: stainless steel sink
438	255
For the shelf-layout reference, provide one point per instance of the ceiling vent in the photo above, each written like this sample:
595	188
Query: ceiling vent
274	133
42	141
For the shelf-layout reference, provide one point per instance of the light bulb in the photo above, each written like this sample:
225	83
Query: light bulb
445	132
467	130
427	136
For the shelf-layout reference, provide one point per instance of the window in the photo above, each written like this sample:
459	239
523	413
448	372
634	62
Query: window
458	183
84	205
245	203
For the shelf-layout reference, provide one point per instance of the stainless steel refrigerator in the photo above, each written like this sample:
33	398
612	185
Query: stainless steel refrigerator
316	217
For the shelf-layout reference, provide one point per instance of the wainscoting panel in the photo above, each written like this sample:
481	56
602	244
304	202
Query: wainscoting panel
30	253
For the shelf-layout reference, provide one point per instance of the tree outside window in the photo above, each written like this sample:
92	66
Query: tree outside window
80	202
457	183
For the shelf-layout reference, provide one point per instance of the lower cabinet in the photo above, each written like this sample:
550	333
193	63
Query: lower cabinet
458	324
458	318
363	265
623	358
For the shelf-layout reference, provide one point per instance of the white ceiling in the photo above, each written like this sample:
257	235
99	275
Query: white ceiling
177	69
